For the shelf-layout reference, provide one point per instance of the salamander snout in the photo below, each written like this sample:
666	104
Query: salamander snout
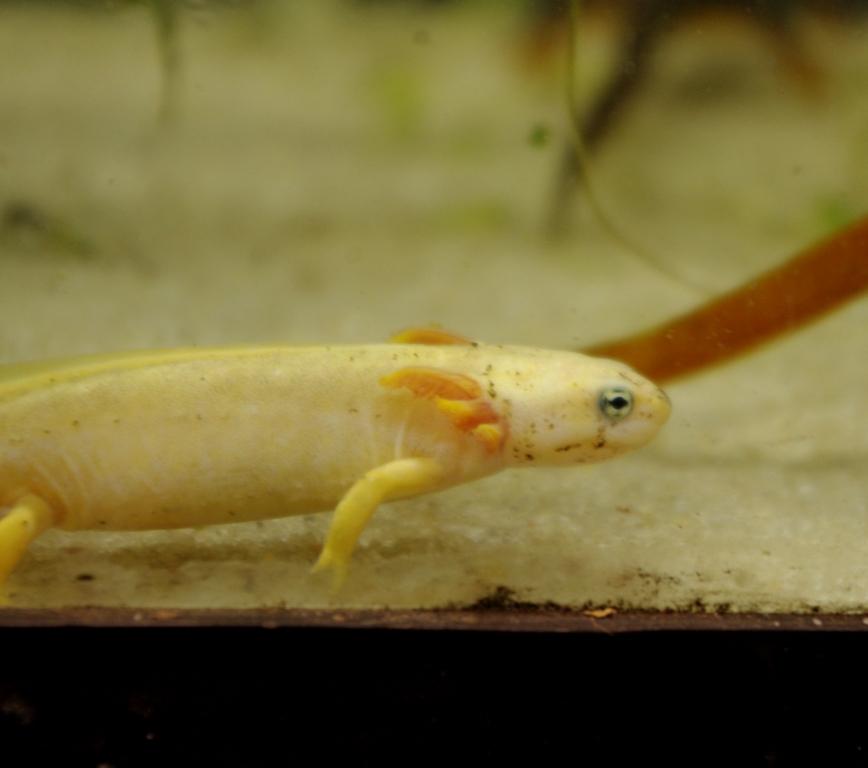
631	414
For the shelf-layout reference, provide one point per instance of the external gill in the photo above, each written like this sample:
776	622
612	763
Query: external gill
457	395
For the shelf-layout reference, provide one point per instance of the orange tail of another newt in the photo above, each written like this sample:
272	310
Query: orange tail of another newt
803	289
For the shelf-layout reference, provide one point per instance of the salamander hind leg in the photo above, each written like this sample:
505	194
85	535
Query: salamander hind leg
397	479
27	518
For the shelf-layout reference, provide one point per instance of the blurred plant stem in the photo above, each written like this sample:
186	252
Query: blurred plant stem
165	13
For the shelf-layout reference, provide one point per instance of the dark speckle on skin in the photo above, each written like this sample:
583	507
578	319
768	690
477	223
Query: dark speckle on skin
569	447
85	577
529	456
75	422
628	378
600	442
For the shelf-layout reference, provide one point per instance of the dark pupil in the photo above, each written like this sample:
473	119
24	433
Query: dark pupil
618	402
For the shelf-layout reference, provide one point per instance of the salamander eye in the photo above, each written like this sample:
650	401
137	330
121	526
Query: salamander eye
615	403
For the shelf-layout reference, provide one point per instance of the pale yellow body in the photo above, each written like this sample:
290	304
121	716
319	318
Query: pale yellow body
197	437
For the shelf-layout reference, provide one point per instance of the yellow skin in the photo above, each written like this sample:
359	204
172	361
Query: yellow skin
196	437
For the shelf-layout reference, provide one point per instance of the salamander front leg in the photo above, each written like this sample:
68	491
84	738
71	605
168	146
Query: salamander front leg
28	517
397	479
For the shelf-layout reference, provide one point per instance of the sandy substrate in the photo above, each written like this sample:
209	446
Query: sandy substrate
335	176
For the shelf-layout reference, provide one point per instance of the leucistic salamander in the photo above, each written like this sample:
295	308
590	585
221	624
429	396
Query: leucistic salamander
195	437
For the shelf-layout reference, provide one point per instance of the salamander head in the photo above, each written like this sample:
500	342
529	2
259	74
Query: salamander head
575	409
